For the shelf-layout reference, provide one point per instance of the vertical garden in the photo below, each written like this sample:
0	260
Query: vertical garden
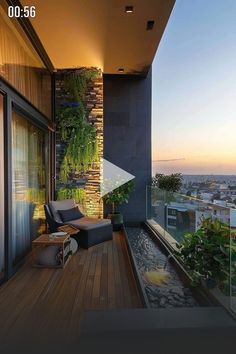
79	142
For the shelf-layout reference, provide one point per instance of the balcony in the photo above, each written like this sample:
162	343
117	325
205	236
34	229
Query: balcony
75	89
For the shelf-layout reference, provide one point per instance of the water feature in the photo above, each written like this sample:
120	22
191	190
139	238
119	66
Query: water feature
162	283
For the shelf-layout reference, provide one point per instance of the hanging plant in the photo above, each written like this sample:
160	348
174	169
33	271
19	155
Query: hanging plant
64	170
78	194
80	137
76	83
69	119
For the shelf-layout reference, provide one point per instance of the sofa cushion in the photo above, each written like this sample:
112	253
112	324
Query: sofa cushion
86	223
70	214
60	205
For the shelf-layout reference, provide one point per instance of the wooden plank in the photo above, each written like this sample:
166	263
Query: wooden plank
90	282
71	230
79	298
111	280
97	281
22	309
125	282
98	278
104	278
46	239
117	277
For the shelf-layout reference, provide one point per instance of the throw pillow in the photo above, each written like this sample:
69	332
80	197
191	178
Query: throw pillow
70	214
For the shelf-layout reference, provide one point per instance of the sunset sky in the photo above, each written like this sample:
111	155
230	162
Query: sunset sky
194	90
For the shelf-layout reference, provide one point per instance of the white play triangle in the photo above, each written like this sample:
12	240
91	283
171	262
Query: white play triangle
112	177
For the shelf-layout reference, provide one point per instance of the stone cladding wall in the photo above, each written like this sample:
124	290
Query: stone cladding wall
91	179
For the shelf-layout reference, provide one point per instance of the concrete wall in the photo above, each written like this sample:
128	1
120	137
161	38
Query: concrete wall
127	135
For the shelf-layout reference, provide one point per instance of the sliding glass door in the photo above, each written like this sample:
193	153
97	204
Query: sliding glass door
29	147
2	216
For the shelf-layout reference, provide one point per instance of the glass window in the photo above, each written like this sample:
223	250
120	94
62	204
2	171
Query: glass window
28	184
172	222
21	66
2	236
172	212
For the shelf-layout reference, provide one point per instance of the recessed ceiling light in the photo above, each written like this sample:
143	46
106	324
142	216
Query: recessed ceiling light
129	9
121	70
150	25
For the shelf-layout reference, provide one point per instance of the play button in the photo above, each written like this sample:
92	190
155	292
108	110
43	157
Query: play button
112	177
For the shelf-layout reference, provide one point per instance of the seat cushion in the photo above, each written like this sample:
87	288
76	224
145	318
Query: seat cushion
60	205
86	223
70	214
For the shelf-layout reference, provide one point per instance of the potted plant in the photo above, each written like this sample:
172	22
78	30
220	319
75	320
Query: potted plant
118	196
206	254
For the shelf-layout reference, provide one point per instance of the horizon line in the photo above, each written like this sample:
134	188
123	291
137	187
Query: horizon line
207	174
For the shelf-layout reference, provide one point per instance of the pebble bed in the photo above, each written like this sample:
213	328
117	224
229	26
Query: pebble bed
149	257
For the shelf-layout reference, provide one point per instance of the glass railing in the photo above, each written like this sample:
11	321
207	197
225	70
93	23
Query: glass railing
174	215
233	269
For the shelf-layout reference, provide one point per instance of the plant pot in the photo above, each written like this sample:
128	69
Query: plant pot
116	220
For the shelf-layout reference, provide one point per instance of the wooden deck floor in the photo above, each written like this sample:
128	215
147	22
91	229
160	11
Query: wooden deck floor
98	278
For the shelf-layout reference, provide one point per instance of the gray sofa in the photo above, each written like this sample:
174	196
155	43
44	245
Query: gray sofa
92	230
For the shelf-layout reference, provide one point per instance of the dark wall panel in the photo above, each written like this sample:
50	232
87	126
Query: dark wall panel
127	134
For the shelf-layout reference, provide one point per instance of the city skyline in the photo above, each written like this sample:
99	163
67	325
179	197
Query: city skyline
194	90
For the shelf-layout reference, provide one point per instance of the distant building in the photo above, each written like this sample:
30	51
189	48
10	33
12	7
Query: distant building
194	194
220	202
206	196
223	186
214	212
189	216
180	215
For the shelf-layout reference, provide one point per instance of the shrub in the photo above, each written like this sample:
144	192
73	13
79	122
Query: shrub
205	253
170	183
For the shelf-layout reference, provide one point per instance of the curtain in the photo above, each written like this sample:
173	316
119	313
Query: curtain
28	185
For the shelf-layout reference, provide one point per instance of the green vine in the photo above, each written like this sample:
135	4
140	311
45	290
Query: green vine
77	84
81	148
69	120
64	170
78	194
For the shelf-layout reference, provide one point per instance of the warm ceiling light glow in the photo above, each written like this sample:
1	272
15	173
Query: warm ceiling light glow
121	70
129	9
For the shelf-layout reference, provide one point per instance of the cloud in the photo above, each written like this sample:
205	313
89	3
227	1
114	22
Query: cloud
169	160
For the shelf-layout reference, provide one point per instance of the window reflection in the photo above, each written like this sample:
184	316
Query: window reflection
2	243
21	66
29	184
